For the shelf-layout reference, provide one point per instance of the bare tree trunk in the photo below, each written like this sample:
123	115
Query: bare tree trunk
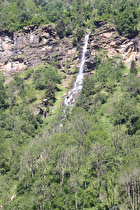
0	169
76	199
32	173
138	191
62	175
85	178
113	196
130	199
85	182
133	190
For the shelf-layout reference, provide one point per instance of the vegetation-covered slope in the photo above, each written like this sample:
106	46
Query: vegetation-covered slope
86	157
92	162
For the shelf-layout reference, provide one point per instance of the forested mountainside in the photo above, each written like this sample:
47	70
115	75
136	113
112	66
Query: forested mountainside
84	156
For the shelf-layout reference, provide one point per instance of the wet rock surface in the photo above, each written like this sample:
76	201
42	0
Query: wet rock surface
73	94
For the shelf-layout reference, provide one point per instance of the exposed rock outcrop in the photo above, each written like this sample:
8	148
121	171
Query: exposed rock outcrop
32	46
109	43
35	45
137	44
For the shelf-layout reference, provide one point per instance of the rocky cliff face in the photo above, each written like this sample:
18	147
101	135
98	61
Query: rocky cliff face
33	46
109	43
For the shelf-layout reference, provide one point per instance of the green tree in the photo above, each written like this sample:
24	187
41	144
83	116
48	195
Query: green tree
88	86
131	84
133	68
30	5
3	96
127	19
50	92
61	28
125	112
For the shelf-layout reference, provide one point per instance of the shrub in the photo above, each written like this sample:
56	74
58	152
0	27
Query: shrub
88	86
74	42
131	84
42	75
50	92
61	28
133	68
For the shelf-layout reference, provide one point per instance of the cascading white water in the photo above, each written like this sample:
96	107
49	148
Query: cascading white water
73	94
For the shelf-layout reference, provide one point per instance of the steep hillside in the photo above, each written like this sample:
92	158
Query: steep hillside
84	156
32	46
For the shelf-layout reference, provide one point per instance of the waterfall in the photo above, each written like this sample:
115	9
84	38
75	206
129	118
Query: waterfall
73	94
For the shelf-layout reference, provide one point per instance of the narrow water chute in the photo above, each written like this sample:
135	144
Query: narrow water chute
72	94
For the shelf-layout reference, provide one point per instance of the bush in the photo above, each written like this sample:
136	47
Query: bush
50	92
74	42
68	31
80	32
61	28
133	68
88	86
3	103
124	111
131	84
109	73
42	75
100	97
127	19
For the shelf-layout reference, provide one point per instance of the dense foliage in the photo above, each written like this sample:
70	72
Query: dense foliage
91	162
84	157
70	15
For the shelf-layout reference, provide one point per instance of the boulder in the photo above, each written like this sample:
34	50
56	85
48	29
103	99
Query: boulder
26	29
99	23
125	75
45	101
91	63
